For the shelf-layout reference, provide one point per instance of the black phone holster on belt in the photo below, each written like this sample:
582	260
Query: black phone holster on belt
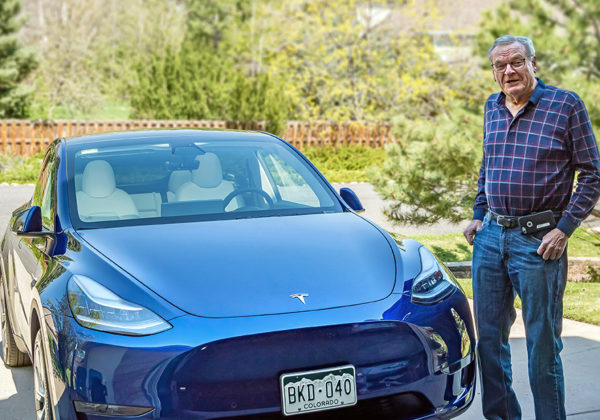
536	222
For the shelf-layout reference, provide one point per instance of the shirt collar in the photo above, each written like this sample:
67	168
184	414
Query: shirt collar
538	92
535	97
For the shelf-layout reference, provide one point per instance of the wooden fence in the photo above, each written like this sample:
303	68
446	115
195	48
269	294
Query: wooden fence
27	137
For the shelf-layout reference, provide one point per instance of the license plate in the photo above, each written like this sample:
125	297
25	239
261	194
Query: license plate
318	390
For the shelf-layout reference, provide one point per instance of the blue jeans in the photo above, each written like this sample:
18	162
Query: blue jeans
506	263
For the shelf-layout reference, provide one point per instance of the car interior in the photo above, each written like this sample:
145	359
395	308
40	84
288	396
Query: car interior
113	186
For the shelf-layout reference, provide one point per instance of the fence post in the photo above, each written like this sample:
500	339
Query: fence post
37	136
21	128
293	133
27	133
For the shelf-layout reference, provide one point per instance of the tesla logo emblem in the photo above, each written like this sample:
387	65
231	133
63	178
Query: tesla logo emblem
300	297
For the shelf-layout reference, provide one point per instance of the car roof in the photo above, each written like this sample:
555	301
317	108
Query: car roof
166	134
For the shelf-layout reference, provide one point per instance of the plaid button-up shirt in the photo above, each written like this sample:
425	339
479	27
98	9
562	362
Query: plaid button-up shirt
529	161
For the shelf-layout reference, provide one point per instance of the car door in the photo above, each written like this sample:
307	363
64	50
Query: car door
30	255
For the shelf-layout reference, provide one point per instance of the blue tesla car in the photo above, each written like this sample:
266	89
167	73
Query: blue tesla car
191	274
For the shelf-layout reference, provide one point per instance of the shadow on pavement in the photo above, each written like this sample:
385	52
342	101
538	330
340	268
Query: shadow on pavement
16	392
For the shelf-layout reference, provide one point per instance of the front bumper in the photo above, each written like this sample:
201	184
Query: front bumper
421	360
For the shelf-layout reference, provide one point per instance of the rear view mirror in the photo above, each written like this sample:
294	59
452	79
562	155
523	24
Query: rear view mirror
351	199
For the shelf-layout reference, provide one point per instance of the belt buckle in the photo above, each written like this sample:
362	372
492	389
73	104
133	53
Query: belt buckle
502	221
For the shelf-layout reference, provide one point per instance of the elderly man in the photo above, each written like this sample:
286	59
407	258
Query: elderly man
536	137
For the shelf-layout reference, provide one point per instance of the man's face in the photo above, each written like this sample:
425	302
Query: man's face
515	83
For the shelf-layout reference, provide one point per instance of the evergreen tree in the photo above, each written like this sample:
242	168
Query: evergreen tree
431	174
207	78
16	63
188	84
213	21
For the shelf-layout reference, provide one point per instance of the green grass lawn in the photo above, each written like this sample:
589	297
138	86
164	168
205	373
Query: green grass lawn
453	246
20	169
581	301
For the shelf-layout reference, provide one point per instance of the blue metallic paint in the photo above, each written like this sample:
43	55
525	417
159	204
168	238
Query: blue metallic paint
153	371
351	199
251	266
223	372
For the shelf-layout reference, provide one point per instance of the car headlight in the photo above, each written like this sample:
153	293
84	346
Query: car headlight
96	307
433	283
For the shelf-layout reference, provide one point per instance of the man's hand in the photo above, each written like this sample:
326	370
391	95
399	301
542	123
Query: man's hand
469	232
553	244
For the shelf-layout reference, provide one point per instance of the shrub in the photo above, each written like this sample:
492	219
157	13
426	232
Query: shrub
20	169
345	163
594	275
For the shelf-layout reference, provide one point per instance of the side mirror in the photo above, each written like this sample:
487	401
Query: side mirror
28	223
351	199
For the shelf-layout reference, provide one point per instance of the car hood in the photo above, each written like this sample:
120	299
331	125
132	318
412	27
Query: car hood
248	267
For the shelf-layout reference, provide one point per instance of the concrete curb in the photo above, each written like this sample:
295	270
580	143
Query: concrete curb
461	270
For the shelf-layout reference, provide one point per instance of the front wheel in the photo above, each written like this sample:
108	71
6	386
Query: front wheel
43	402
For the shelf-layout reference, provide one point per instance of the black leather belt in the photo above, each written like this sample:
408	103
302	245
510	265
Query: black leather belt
505	221
510	222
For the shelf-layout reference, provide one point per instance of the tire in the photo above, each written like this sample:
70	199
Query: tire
13	357
41	390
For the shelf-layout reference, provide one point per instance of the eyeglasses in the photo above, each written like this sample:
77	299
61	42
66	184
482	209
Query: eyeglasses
518	64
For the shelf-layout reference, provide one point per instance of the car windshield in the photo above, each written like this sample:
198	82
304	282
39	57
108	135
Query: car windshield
185	179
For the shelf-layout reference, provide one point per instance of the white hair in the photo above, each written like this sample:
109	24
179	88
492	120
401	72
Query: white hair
510	39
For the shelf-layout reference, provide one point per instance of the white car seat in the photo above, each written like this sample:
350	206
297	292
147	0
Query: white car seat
207	183
99	199
176	180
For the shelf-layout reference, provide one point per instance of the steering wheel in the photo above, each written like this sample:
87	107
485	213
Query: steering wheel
254	191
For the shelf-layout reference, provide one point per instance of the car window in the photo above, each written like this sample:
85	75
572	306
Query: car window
176	180
43	194
292	186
